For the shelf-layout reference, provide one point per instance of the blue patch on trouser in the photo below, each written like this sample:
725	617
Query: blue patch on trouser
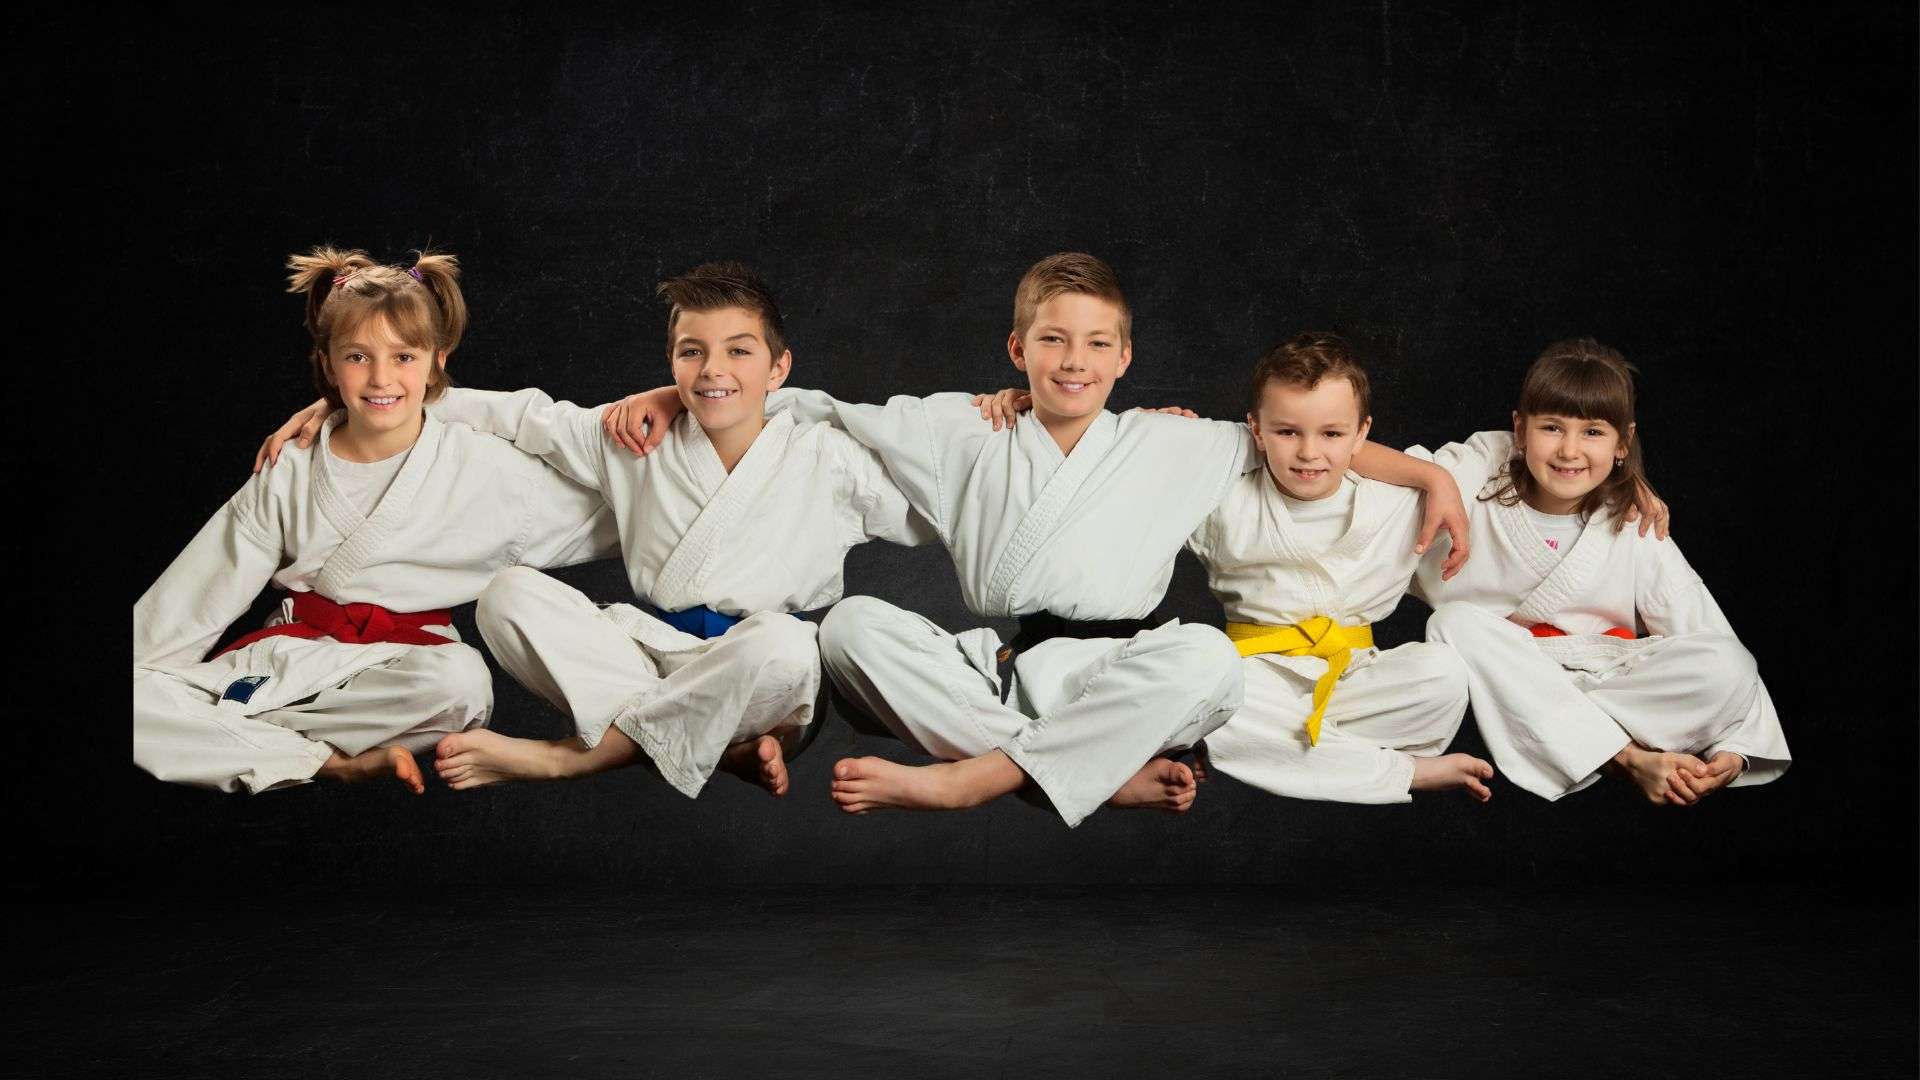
241	690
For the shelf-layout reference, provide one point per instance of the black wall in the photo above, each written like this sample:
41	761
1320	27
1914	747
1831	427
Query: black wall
1726	196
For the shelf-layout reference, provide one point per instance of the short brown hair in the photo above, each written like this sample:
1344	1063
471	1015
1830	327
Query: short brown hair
1068	272
1580	379
716	285
344	288
1308	357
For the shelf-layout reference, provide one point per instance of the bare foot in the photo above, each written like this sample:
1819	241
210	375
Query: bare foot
379	763
871	783
470	759
1160	784
759	762
1662	776
1453	771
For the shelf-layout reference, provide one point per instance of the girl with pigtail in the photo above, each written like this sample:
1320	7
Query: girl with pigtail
1589	648
389	519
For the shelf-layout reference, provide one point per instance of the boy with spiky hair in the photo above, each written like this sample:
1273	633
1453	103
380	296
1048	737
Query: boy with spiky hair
1070	525
708	672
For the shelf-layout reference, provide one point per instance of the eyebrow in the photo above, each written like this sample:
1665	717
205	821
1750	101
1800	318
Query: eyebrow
685	338
1115	332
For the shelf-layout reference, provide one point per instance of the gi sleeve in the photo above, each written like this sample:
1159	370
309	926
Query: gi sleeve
883	512
900	433
564	435
215	579
563	523
1474	462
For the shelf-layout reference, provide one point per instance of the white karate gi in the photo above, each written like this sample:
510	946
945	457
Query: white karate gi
1386	706
461	507
768	538
1553	710
1089	536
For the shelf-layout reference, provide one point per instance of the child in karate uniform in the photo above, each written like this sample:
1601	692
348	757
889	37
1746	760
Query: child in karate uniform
737	520
1071	526
392	518
1305	555
1590	648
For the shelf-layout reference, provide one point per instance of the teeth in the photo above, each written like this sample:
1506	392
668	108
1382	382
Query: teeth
382	400
1073	386
713	393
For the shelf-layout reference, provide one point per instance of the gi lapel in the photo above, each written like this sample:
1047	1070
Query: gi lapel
364	538
677	586
1043	516
1561	584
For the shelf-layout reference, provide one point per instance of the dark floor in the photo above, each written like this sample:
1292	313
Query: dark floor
974	982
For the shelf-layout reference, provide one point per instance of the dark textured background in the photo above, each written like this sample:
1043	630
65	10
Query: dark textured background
1726	196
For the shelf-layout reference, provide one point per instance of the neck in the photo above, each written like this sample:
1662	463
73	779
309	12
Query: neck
732	443
1066	430
354	443
1547	504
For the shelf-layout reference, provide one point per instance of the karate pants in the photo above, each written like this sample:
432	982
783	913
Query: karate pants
1084	714
1551	727
314	696
1386	710
683	700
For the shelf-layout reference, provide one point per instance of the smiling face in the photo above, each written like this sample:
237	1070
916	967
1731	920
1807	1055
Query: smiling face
1309	435
723	368
1072	353
1568	457
381	379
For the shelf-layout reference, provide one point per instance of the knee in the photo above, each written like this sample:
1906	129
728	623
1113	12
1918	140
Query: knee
851	627
1205	656
1723	659
508	592
1442	676
789	647
1450	620
454	675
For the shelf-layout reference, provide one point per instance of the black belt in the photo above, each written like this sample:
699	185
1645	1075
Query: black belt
1045	626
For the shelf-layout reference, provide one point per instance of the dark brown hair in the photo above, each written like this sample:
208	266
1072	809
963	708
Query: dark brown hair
716	285
1579	379
1305	359
344	288
1068	272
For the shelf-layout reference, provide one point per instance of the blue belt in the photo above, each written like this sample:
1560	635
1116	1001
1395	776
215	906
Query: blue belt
701	622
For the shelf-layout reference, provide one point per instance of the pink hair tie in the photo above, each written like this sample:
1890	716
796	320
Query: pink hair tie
341	279
415	271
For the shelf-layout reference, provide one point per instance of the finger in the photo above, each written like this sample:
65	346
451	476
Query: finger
656	433
1456	558
1677	787
1429	528
260	457
1660	529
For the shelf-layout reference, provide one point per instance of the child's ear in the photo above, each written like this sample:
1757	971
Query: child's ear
1253	425
1366	426
1518	422
1016	351
1126	358
781	368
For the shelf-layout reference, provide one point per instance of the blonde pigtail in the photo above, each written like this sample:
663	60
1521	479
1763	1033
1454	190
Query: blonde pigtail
314	274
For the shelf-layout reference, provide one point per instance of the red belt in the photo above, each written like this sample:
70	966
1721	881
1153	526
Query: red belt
1549	630
315	616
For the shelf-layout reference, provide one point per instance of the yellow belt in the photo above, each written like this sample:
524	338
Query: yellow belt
1318	636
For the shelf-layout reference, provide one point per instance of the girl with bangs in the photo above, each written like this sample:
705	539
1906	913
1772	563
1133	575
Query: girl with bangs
390	519
1589	648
